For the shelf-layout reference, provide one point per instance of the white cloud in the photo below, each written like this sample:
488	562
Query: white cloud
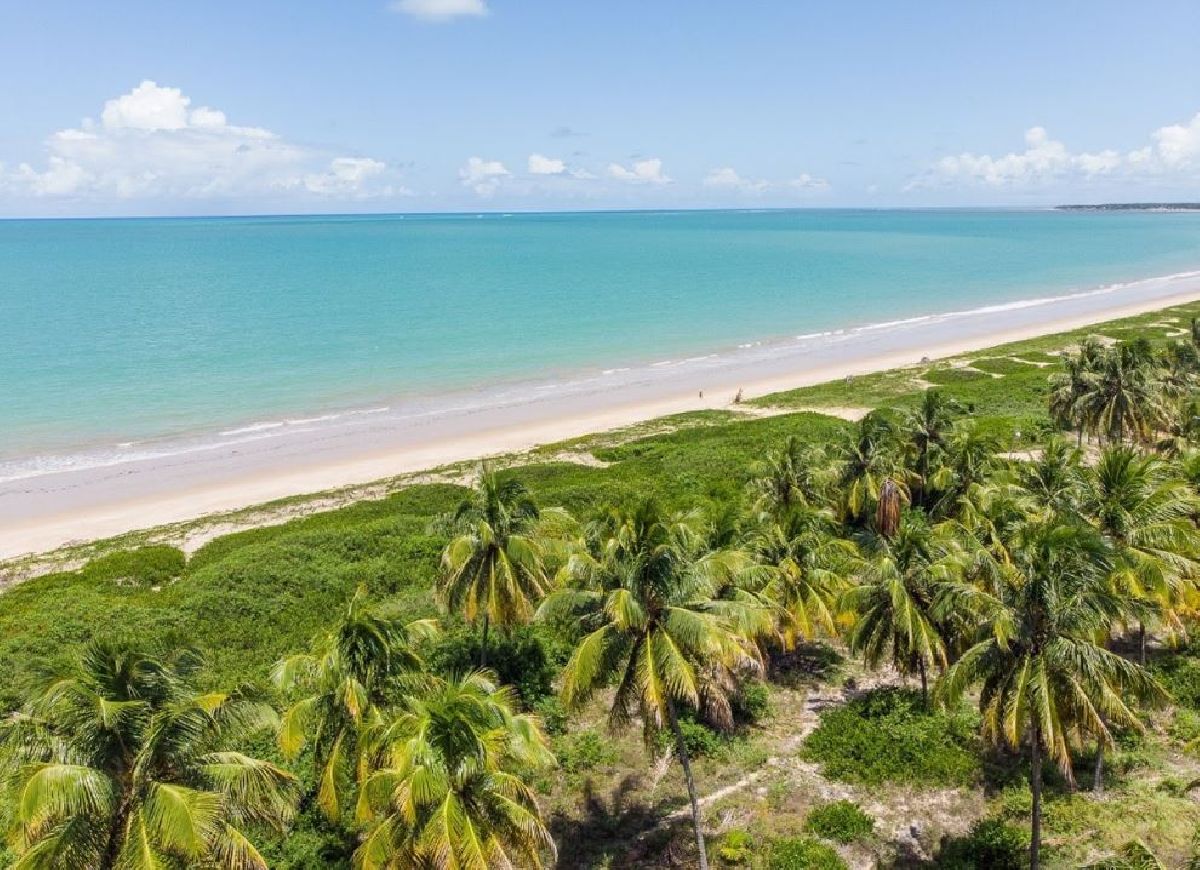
647	171
727	178
441	10
541	165
483	176
150	144
804	181
1173	149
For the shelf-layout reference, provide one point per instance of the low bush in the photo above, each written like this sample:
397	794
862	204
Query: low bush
145	566
1179	674
888	736
990	845
519	658
584	750
736	848
752	702
699	739
803	853
841	821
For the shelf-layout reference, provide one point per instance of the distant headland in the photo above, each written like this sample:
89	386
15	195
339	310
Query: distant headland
1134	206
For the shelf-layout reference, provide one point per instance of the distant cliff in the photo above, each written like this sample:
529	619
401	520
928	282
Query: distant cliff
1134	206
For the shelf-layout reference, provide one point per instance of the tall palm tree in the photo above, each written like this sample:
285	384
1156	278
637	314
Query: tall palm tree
968	457
792	475
1123	395
1043	676
494	571
340	686
894	598
446	786
1145	514
645	599
925	431
867	462
120	762
1054	480
808	570
1066	389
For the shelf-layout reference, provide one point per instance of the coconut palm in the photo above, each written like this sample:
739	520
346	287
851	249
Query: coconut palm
1123	395
895	595
870	459
1145	515
1044	679
968	457
924	431
340	686
1054	480
792	475
644	594
120	762
445	788
494	571
809	566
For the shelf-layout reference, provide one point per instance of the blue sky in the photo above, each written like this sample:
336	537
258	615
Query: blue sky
428	105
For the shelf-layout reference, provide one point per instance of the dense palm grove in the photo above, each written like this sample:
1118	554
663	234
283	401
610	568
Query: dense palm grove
1031	583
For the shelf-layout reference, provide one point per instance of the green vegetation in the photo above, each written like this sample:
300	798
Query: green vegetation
888	735
1012	553
842	821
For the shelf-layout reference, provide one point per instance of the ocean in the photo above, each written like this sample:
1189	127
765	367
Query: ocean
132	337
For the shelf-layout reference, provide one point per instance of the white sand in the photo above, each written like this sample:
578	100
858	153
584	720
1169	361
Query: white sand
41	513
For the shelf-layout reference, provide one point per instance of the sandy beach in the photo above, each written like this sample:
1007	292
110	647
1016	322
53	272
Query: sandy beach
40	513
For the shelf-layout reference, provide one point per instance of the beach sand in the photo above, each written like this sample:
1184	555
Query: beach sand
44	512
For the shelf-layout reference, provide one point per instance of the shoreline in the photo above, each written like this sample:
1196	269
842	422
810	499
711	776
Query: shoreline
42	513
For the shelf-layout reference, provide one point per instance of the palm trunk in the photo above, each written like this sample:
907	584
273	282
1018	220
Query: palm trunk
681	748
116	831
924	682
1142	644
1035	786
483	643
1098	772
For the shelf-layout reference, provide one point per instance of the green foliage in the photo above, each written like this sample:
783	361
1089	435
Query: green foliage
1179	674
699	739
145	566
843	821
518	656
751	703
803	853
584	751
946	375
887	736
736	848
990	845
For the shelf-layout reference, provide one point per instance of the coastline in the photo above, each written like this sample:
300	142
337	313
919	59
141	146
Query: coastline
47	511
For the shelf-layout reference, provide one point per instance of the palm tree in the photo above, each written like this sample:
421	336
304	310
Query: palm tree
645	598
1043	676
867	462
968	457
1054	480
494	571
925	430
121	763
895	595
808	566
1123	395
340	686
1145	514
795	474
446	788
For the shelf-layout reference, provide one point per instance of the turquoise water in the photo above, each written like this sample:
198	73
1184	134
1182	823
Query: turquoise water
113	331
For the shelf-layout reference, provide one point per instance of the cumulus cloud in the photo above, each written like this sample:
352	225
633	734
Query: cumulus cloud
542	165
151	143
1173	149
441	10
804	181
727	178
483	176
647	171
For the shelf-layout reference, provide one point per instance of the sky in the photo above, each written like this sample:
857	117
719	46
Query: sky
180	108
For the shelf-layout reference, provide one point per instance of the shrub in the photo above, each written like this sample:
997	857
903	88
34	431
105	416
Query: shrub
145	566
842	821
990	845
584	750
751	703
803	853
737	847
887	736
518	657
699	739
1180	676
